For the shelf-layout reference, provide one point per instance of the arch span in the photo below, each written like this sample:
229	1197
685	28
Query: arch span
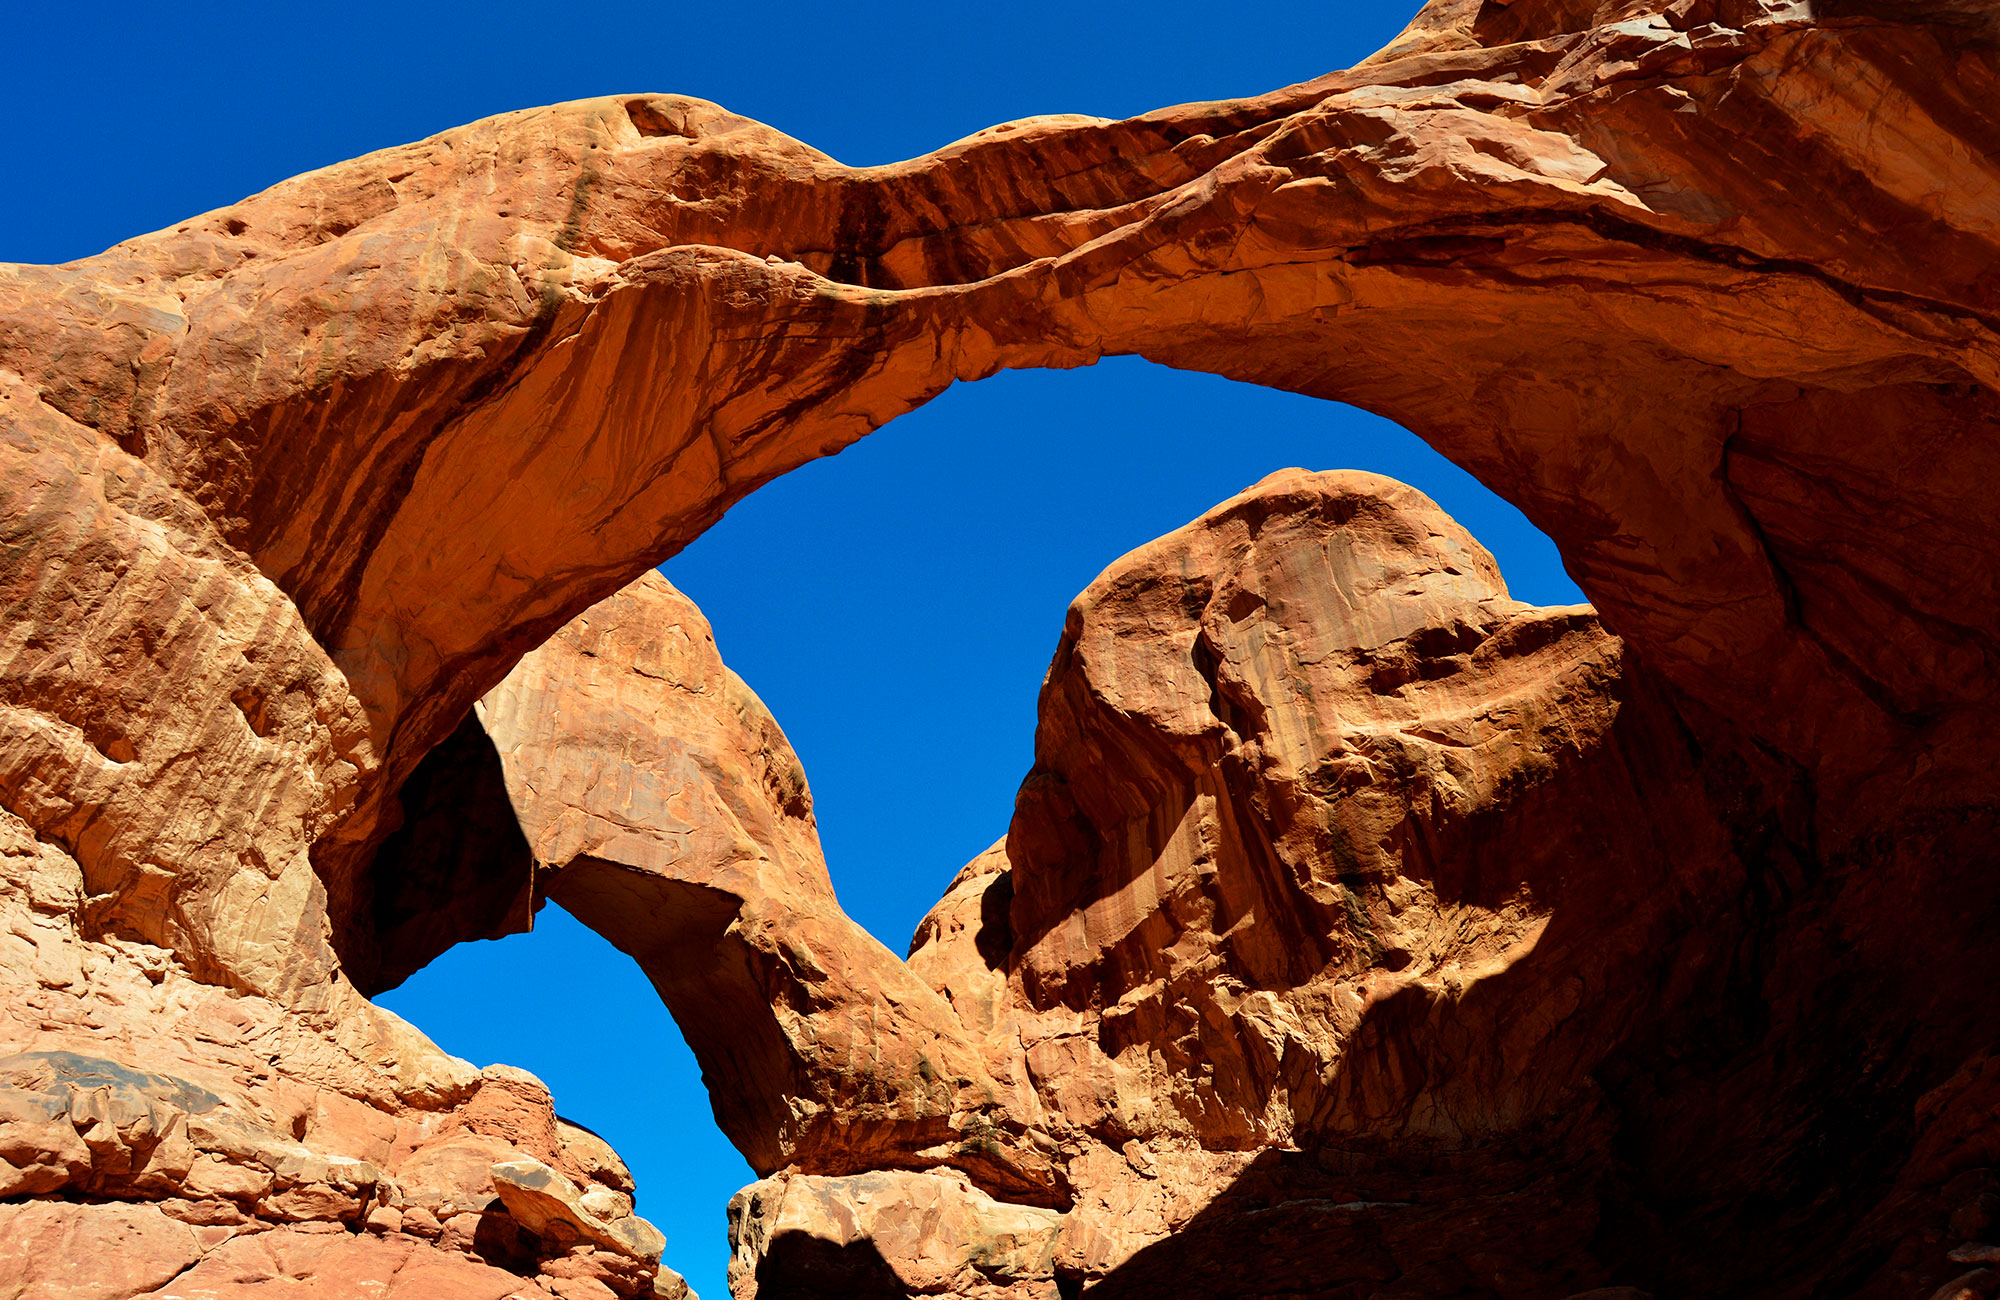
1706	289
526	359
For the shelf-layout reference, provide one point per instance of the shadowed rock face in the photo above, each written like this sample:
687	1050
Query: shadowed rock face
1339	879
1340	887
1708	289
1350	904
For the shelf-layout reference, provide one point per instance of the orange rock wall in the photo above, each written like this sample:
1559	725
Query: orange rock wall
1707	288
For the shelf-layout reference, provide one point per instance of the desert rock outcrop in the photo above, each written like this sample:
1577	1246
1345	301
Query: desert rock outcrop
888	1233
665	809
1708	288
1340	882
1621	265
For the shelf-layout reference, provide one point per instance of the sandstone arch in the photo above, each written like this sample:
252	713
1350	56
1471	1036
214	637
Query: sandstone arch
1707	289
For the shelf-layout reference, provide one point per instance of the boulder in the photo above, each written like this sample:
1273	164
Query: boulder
556	1210
920	1234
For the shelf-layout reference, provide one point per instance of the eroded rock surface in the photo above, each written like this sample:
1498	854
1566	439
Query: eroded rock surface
175	1025
1708	288
1363	931
1621	264
669	814
888	1233
1350	904
147	1179
1339	878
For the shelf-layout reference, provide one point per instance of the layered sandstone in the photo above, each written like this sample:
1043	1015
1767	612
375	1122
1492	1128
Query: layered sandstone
1706	287
523	360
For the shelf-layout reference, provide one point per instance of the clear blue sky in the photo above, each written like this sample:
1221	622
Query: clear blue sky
895	605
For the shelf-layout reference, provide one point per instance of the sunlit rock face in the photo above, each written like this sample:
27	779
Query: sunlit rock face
190	1090
665	809
1624	262
1708	289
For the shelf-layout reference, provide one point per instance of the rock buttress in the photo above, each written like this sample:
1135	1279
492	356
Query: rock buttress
1363	931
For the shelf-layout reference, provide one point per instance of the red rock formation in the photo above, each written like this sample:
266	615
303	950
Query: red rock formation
1339	879
1349	903
1533	240
264	1160
673	818
1706	287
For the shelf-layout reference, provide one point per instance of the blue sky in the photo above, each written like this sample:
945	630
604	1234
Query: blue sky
896	605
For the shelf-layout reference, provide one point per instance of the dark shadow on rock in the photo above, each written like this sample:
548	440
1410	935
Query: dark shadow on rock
458	868
799	1266
504	1243
1730	1112
1510	1219
995	939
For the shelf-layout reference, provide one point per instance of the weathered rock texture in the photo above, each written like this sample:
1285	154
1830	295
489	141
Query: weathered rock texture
1341	887
1707	288
280	1166
670	815
889	1234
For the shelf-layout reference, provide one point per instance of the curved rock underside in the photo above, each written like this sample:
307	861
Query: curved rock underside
665	809
1359	931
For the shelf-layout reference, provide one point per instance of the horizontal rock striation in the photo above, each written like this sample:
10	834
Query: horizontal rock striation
121	1183
1707	288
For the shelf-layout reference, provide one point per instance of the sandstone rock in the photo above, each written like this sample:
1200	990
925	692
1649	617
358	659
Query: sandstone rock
1706	287
669	1285
252	1146
287	1262
1483	224
1331	914
1976	1215
1980	1284
605	1203
915	1233
514	1107
1329	844
581	1288
1314	711
553	1208
89	1252
593	1157
452	1175
668	812
1271	747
